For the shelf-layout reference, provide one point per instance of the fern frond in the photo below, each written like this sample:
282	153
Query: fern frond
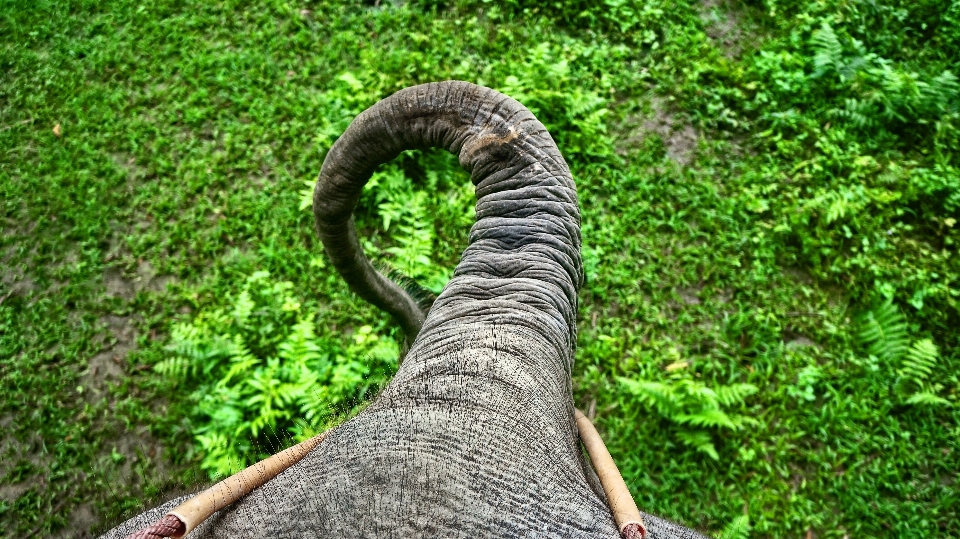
220	459
662	397
849	69
300	347
734	394
883	332
927	398
860	113
738	528
186	340
917	368
306	195
420	294
920	361
828	51
696	394
220	346
942	90
699	440
177	367
707	418
243	307
238	365
315	403
265	420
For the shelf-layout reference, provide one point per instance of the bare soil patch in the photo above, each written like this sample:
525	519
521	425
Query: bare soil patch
126	287
725	25
679	138
801	342
108	364
14	281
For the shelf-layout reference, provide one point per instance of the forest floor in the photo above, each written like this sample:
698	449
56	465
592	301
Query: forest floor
770	194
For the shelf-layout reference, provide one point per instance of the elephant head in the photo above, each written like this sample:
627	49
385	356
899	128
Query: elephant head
475	435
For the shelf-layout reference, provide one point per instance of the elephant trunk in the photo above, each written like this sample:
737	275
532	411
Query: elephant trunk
475	435
527	227
476	429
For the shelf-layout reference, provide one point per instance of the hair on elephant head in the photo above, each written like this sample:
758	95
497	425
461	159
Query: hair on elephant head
475	435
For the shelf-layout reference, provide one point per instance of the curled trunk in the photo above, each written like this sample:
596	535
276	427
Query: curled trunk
475	435
486	383
528	223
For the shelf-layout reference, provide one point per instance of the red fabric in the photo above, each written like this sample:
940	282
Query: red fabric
168	526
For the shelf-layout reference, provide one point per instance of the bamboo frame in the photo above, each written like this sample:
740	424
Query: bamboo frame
625	511
199	508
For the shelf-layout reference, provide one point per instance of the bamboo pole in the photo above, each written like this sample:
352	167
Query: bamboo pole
199	508
624	509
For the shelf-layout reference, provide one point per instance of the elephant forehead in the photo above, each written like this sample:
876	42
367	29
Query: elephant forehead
450	472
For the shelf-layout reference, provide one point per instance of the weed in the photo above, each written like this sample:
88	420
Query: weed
822	174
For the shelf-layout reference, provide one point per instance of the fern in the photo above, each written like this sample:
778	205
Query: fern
194	351
916	370
738	528
186	341
177	367
860	113
241	361
883	332
700	440
656	395
920	361
927	398
941	92
306	195
259	371
828	51
828	55
414	235
734	394
242	308
690	403
300	346
710	417
880	95
410	226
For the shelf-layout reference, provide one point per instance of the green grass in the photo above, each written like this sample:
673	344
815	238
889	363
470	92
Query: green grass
770	194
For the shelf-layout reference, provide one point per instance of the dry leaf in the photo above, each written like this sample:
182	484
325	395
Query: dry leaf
57	131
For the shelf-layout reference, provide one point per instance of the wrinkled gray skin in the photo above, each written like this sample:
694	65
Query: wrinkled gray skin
475	435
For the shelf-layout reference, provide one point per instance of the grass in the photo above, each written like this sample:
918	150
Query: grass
770	192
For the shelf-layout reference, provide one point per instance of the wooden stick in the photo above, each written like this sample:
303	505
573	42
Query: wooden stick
199	508
624	509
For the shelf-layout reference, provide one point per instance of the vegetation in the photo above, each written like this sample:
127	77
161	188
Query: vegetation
259	368
770	192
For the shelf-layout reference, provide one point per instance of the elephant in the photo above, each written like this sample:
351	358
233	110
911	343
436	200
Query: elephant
475	436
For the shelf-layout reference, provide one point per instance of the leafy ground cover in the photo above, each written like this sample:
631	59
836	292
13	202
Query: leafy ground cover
770	193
